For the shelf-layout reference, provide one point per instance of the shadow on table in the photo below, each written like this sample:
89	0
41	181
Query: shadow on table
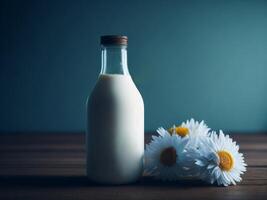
78	181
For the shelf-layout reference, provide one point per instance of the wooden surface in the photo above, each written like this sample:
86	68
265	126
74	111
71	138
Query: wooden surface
52	166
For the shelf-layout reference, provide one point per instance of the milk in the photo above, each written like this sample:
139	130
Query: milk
115	132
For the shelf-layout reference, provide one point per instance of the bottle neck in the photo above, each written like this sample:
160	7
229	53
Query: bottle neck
114	60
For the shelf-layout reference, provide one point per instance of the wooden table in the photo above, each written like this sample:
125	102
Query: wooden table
52	166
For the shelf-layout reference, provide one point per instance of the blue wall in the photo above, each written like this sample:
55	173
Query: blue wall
202	59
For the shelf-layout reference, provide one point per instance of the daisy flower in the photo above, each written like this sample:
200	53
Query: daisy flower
192	129
218	160
164	157
195	128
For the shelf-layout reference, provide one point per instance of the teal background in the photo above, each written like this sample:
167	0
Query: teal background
201	59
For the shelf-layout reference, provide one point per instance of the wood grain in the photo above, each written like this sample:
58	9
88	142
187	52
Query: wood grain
52	166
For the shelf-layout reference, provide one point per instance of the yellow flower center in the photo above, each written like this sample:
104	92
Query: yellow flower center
179	130
226	160
168	156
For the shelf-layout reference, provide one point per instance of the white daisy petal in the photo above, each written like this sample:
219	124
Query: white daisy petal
196	128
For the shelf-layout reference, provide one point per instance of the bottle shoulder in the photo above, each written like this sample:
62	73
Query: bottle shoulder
116	86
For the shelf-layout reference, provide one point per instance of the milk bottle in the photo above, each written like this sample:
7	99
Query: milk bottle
115	119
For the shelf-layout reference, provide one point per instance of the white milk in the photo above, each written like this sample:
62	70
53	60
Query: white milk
115	138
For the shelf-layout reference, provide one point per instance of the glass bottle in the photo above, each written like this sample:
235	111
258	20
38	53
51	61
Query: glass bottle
115	119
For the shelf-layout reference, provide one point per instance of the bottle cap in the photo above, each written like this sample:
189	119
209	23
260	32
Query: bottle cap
114	40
